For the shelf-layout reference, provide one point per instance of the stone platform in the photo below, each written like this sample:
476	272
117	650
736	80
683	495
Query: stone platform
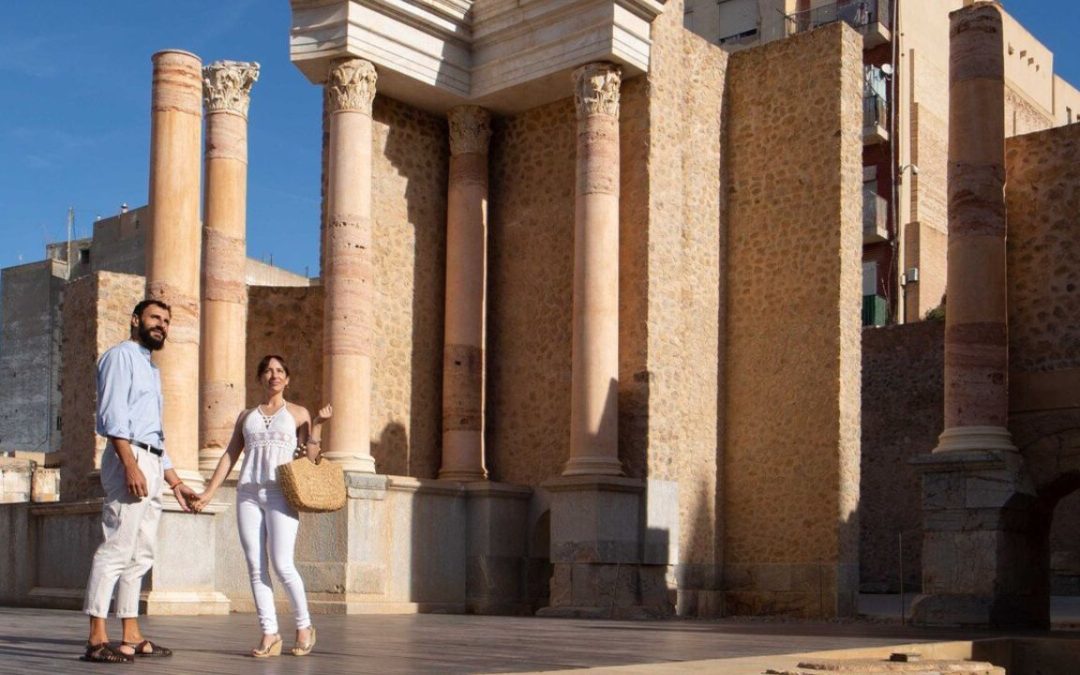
49	641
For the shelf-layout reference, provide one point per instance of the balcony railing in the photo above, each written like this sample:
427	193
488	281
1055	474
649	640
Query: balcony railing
875	119
873	18
875	217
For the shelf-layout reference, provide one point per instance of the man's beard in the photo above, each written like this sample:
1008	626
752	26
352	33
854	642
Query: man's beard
149	340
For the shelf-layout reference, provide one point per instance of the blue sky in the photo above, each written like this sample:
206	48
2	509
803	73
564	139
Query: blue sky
75	99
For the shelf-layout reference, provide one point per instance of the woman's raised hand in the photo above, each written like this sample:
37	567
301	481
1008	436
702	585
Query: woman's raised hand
325	413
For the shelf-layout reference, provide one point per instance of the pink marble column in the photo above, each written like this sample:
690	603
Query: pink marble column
466	273
226	93
976	335
174	241
347	276
594	447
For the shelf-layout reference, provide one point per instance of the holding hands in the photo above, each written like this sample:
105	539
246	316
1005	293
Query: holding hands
197	502
184	496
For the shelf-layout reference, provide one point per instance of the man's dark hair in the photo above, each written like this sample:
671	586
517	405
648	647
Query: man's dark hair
141	307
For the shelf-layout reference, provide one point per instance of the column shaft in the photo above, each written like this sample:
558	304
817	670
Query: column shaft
227	86
174	242
594	446
466	274
347	277
976	349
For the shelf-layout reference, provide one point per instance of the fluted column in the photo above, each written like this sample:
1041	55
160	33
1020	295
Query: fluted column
174	242
976	354
594	448
226	94
347	278
466	273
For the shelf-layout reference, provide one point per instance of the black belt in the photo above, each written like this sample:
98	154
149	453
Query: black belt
145	446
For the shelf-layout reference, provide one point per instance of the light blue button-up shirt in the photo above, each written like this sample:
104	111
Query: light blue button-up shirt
129	396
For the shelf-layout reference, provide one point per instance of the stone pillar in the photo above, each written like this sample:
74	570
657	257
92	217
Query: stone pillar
981	533
347	276
597	547
976	349
466	274
594	443
226	93
173	245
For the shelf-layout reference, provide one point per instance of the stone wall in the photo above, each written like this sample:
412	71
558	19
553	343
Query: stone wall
902	415
119	242
791	453
286	321
1022	116
29	363
95	315
1043	201
530	277
670	295
410	164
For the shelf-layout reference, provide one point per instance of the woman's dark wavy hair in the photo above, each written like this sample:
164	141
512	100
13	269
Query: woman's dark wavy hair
264	363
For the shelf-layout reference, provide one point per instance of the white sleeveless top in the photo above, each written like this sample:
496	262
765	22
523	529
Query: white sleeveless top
269	441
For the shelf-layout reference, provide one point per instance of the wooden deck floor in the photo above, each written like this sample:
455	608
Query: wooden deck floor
50	641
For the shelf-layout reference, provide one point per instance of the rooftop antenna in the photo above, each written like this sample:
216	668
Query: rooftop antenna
70	227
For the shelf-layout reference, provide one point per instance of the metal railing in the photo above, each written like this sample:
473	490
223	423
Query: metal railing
857	13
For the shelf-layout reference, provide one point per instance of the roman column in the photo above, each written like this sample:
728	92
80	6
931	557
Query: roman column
976	355
226	95
347	277
466	274
594	448
174	242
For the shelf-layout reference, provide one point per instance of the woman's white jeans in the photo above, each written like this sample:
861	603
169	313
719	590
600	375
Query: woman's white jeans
268	523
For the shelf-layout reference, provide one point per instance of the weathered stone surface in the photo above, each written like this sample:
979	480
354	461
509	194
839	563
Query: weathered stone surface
791	455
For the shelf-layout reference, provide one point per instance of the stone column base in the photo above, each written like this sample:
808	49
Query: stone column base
984	542
184	603
597	551
183	579
496	546
610	591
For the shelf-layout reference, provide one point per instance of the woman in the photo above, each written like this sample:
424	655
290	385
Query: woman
270	433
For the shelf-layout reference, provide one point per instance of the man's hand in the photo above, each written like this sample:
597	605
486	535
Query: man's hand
184	496
136	481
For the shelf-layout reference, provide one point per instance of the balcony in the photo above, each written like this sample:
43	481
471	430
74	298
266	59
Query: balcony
875	119
875	310
872	18
875	217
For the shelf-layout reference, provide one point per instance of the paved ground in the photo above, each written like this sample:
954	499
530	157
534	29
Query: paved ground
50	641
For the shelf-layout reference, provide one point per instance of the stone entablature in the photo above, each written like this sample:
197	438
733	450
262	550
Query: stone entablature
438	54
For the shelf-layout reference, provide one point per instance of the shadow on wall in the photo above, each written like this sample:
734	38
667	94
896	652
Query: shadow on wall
411	223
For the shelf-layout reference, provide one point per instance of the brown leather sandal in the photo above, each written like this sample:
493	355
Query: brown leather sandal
103	652
155	649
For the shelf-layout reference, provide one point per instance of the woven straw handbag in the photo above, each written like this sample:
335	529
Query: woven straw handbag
312	487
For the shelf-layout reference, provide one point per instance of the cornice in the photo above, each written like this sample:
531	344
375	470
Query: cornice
505	55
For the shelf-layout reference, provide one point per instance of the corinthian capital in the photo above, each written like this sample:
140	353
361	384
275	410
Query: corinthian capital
596	89
351	86
227	86
470	129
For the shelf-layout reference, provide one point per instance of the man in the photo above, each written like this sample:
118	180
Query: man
132	470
